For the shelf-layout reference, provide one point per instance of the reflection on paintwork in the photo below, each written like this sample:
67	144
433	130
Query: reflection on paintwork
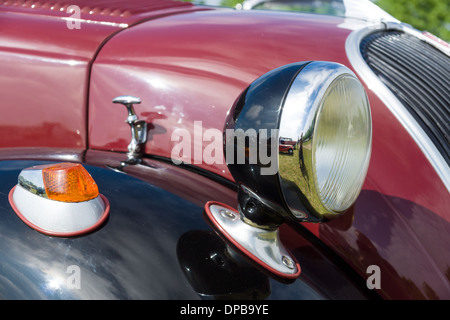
136	254
380	232
217	271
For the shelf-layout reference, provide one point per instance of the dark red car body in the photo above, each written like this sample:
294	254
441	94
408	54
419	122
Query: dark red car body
189	63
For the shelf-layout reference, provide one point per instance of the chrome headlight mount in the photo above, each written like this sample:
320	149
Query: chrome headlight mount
319	112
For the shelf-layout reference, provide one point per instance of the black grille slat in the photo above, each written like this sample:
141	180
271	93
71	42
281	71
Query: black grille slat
419	76
406	72
430	71
414	92
426	114
416	67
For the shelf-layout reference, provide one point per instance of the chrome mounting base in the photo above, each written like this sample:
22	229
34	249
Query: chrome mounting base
263	246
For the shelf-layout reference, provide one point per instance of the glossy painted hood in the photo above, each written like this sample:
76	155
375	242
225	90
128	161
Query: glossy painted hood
190	68
46	50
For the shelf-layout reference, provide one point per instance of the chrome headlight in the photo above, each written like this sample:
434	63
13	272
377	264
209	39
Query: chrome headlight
321	116
327	112
311	165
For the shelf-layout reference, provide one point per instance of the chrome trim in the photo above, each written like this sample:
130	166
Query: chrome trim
138	129
299	121
31	180
264	244
352	48
55	216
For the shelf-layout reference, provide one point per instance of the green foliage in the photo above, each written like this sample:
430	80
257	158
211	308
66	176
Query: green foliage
230	3
426	15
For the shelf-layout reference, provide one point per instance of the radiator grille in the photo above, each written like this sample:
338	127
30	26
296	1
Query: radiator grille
419	76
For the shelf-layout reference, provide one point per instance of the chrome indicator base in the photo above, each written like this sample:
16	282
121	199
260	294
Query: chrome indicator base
57	218
263	246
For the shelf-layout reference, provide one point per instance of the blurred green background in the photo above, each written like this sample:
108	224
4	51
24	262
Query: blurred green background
425	15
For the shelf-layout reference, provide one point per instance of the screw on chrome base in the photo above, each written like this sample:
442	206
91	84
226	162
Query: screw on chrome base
288	262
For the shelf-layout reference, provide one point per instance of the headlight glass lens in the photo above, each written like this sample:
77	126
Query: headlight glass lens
341	144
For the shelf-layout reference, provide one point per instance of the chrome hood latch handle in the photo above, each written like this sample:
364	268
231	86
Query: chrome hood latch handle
138	129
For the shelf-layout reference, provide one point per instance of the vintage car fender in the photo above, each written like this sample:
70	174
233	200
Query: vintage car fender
155	244
188	65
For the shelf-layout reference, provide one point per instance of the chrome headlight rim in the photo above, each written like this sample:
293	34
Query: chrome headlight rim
310	89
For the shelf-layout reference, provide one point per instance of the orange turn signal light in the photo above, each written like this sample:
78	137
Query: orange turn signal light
69	182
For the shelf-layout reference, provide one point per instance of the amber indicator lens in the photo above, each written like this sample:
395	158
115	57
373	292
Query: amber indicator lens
69	182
